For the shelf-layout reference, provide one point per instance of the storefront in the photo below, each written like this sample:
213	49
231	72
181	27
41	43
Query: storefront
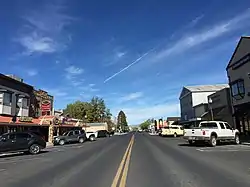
24	124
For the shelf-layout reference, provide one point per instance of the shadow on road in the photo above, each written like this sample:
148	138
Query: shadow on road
193	145
19	154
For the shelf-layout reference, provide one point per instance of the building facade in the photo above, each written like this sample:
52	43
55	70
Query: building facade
238	71
201	110
194	95
14	96
172	120
41	103
220	107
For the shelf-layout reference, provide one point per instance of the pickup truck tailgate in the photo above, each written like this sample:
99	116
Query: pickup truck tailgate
193	132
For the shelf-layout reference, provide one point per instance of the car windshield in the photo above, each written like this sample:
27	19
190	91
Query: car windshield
65	133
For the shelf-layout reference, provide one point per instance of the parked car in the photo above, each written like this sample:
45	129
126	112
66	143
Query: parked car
70	137
212	132
171	130
103	133
21	142
91	136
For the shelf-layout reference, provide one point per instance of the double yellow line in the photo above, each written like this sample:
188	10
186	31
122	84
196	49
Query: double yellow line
122	171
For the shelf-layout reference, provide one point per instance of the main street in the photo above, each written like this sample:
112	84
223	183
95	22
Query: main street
132	160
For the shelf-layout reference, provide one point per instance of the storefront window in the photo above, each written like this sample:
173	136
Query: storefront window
238	89
25	103
7	98
1	98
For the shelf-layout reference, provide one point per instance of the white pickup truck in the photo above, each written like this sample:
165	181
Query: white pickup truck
212	132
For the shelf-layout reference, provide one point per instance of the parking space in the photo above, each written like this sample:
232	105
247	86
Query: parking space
225	148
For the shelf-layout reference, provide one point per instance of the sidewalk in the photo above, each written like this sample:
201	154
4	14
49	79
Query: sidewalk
245	140
49	144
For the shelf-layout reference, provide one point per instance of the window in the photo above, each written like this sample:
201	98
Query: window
65	133
77	132
22	135
209	125
174	127
19	102
165	127
227	126
25	103
82	131
7	98
1	98
12	136
222	126
238	89
70	133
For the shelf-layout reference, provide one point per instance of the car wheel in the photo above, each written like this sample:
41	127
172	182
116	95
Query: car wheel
237	139
213	141
34	149
175	135
61	142
81	140
190	142
92	138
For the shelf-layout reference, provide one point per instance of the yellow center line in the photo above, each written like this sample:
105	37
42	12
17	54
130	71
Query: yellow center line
118	173
125	171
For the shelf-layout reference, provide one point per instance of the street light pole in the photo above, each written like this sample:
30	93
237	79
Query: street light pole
210	101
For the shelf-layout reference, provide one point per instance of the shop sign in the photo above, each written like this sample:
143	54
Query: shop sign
25	119
42	94
45	105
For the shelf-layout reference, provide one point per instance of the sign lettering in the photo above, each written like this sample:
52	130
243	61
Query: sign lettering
25	119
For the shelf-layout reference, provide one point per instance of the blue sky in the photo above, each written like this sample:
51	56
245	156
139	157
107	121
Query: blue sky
136	54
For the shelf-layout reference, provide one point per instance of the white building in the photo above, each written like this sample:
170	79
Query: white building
194	95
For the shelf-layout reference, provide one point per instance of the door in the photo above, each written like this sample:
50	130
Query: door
22	141
76	135
5	144
70	136
229	133
223	131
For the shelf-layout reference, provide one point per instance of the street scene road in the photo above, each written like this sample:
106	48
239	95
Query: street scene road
133	160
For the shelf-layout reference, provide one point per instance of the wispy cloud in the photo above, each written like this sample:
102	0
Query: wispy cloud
73	70
128	66
120	54
56	92
89	88
117	55
72	75
132	96
44	29
193	40
32	72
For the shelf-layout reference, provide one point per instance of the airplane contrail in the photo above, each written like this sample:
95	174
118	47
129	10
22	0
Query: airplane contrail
128	66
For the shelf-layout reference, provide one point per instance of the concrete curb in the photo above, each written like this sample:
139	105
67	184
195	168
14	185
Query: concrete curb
245	143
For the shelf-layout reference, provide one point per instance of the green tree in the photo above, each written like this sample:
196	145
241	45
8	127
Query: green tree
122	121
76	110
145	124
93	111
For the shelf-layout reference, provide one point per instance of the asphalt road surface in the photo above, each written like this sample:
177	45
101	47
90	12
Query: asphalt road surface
132	160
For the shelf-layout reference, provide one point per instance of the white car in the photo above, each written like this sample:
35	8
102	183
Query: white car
92	136
212	132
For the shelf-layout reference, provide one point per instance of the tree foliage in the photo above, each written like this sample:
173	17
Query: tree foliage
145	124
122	121
93	111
